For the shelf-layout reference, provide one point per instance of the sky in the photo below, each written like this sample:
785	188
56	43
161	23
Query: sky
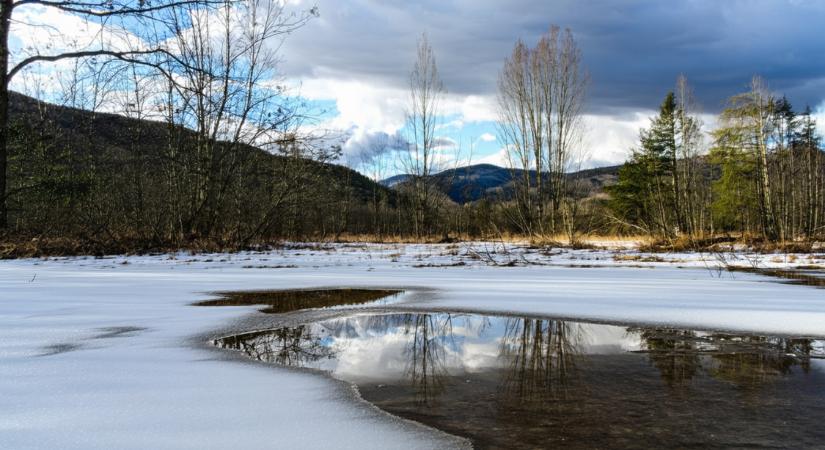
352	62
357	56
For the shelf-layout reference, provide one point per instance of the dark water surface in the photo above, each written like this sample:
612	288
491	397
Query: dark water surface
535	383
284	301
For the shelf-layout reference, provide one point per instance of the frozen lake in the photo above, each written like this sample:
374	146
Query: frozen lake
103	353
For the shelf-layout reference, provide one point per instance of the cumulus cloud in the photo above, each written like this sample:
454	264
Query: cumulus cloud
364	147
499	158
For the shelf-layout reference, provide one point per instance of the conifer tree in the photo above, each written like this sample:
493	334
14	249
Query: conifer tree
648	187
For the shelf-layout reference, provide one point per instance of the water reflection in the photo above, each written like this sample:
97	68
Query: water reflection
284	301
752	360
746	361
430	339
542	357
530	382
674	353
296	346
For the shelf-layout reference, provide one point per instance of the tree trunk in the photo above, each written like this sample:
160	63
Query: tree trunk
768	223
5	23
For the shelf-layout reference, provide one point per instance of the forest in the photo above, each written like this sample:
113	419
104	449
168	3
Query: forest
190	141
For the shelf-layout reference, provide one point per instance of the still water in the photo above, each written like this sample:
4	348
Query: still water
531	383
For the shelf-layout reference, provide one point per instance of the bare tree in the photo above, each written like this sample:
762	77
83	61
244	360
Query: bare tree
422	159
688	165
519	128
126	12
163	37
541	93
761	108
225	58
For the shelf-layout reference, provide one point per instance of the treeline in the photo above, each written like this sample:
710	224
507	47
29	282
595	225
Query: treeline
761	175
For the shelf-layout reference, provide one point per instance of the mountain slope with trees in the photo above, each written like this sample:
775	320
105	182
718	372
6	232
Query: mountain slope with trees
119	183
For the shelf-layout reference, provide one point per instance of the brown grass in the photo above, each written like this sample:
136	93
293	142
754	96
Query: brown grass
12	247
730	243
20	246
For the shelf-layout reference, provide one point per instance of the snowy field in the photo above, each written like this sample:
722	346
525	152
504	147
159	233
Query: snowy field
99	353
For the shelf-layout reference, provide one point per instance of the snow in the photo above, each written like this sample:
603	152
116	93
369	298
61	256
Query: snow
99	353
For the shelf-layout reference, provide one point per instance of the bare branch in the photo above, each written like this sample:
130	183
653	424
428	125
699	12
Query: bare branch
109	9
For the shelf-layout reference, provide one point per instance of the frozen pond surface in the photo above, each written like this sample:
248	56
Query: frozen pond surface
508	382
109	353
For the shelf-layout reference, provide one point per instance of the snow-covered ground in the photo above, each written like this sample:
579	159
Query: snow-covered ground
98	353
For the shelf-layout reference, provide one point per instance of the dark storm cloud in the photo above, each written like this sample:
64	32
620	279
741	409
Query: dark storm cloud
633	49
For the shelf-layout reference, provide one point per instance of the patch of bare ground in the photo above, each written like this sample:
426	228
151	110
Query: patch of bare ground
797	276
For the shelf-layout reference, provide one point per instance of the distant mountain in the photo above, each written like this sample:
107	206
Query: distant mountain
472	183
394	180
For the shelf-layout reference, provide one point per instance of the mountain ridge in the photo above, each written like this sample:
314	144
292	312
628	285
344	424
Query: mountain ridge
478	181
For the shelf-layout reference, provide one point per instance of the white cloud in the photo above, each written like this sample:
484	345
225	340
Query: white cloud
41	30
499	158
456	124
487	137
609	139
361	104
367	108
472	108
819	114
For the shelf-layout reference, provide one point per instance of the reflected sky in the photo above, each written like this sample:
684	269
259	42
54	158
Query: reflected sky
526	382
380	347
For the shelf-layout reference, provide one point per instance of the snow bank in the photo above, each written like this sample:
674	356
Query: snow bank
95	353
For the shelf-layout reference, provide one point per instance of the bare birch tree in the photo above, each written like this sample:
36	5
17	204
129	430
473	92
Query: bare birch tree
689	192
541	93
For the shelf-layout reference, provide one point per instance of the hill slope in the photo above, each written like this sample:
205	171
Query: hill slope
83	132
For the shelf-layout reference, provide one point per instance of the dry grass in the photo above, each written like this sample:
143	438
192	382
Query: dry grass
545	240
594	241
729	243
38	246
393	239
12	247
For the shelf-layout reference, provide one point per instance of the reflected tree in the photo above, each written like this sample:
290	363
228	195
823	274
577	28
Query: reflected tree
289	346
751	361
673	353
542	357
432	335
745	361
